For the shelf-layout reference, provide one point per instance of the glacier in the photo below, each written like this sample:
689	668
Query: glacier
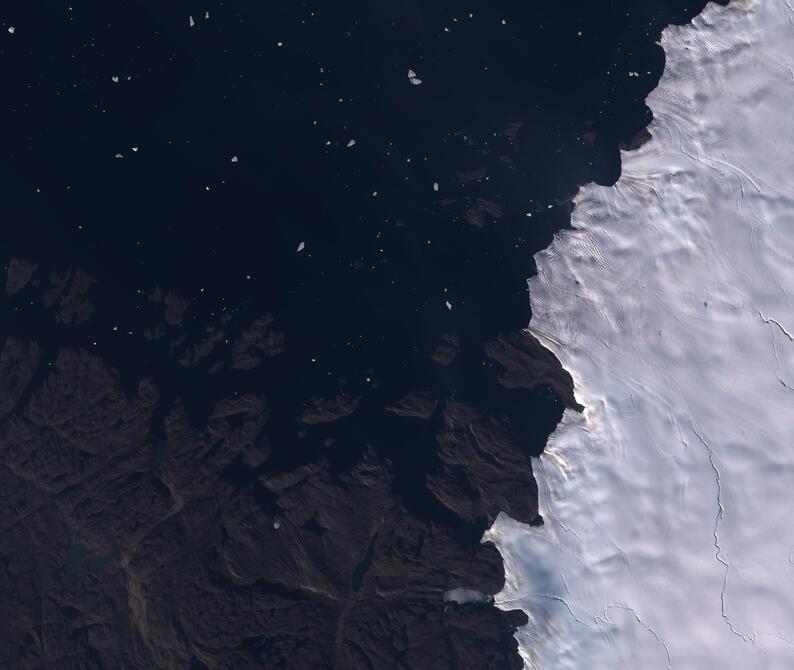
669	503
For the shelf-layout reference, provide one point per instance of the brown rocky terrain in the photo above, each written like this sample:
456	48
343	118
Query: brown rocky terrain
137	536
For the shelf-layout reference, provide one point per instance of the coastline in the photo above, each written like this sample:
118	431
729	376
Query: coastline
267	380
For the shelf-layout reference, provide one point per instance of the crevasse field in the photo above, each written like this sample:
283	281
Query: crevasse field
669	505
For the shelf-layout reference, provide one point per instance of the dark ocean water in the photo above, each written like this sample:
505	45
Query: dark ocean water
519	103
232	140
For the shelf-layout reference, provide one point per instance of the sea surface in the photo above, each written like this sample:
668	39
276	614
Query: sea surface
200	157
195	149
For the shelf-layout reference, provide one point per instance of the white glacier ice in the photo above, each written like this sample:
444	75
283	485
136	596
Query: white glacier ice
669	504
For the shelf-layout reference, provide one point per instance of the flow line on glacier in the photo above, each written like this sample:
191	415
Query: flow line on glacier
650	629
770	320
718	548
